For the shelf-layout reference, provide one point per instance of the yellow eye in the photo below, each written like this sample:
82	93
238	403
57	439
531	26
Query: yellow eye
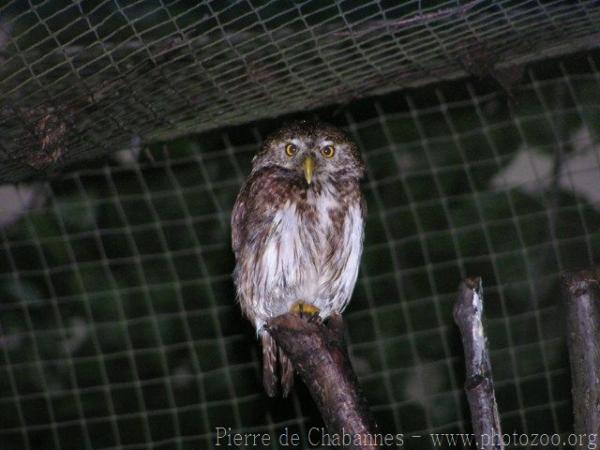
290	150
328	151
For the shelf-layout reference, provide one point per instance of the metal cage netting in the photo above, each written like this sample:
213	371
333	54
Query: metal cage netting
479	124
79	79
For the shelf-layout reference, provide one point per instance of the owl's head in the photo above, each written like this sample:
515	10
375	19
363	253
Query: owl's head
313	150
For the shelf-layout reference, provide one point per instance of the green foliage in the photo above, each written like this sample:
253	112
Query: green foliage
118	321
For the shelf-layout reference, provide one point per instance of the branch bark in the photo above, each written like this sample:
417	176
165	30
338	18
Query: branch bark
581	293
479	385
318	353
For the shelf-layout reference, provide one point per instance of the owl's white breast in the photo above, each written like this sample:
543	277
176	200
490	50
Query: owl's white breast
297	265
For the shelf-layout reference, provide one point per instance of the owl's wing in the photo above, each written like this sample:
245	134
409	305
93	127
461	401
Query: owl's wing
255	208
249	211
363	205
238	218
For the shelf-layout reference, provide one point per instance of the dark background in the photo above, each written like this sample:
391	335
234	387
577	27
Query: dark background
118	322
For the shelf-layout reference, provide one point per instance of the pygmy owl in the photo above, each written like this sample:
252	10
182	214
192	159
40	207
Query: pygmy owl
297	232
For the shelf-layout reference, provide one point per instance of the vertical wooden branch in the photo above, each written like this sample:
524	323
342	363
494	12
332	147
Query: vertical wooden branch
479	386
581	292
319	355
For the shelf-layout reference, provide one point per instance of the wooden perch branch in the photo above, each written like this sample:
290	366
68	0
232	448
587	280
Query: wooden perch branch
581	293
318	353
479	386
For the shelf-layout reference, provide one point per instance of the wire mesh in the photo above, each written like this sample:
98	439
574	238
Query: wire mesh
118	323
80	79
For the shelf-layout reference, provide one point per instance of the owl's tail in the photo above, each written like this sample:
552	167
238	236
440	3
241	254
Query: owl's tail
271	354
287	373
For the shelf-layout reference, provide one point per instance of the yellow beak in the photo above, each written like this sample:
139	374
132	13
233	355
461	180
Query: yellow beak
309	167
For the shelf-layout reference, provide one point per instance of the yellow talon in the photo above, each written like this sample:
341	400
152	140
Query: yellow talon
305	308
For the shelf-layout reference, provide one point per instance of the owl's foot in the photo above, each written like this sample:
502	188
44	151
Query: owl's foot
305	309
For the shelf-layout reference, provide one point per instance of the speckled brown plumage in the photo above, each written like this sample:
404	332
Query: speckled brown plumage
298	238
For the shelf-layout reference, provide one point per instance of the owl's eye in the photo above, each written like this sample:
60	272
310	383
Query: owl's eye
328	151
290	150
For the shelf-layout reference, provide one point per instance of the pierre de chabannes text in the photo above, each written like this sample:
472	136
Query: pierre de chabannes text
226	437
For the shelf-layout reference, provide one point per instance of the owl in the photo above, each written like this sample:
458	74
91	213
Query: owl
297	233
